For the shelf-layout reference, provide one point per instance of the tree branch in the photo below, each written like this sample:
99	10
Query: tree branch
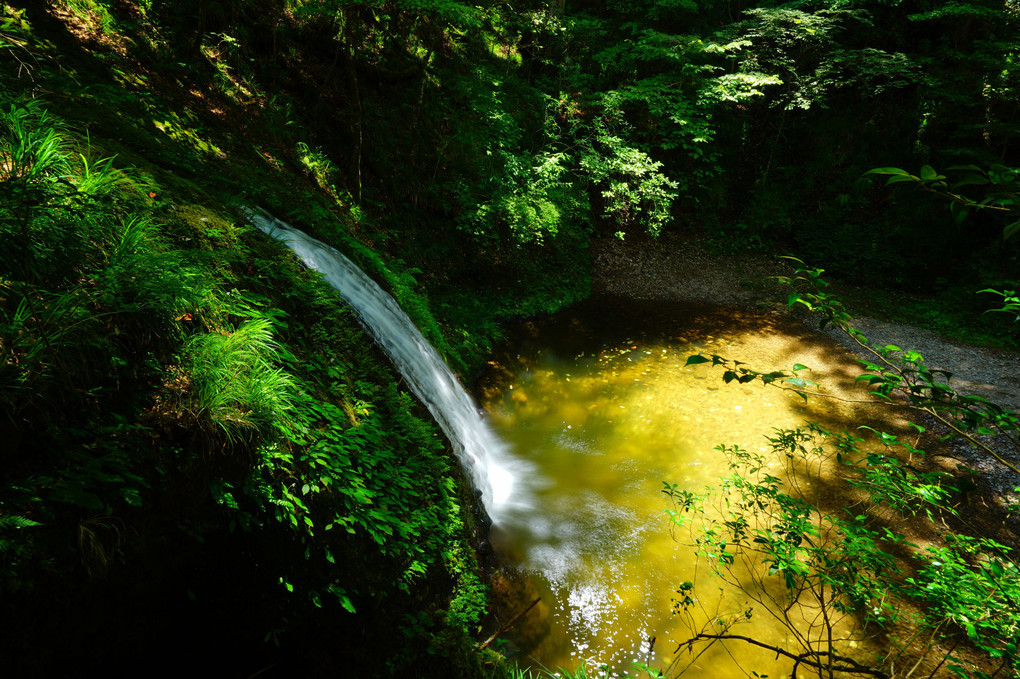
848	664
507	627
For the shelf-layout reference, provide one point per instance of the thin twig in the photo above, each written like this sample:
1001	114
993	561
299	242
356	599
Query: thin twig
507	627
849	665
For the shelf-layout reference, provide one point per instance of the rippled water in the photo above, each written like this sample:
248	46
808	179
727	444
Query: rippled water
600	402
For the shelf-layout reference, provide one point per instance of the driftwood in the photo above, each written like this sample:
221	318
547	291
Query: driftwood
507	627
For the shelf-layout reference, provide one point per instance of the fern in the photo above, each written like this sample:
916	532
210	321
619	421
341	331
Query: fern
13	522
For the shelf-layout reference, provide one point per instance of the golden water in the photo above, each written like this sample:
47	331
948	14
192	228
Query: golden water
599	400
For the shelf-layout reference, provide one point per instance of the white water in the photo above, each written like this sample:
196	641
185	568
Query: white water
499	477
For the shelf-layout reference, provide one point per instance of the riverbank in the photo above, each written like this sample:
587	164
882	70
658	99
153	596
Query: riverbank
676	269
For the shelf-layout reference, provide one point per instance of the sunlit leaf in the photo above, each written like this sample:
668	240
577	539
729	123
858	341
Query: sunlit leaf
888	170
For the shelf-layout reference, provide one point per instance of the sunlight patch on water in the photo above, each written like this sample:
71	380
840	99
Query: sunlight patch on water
606	418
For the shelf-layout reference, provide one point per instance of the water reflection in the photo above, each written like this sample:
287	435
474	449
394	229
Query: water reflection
600	401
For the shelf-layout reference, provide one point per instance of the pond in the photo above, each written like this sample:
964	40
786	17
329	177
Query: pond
600	402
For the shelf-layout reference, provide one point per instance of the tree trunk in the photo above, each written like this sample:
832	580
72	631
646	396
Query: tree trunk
350	36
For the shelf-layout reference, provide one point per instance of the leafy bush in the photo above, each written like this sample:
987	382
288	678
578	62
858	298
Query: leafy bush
233	382
840	569
794	538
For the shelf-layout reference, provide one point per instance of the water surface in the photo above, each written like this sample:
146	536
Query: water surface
600	401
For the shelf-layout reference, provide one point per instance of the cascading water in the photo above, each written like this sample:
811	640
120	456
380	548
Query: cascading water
498	476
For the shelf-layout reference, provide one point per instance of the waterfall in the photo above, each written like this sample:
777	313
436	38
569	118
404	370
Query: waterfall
484	456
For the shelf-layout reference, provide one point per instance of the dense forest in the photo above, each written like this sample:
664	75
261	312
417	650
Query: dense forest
208	467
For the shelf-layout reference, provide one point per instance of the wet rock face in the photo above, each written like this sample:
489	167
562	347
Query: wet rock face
513	592
482	518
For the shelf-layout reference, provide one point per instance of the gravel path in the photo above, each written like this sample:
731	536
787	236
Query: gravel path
673	269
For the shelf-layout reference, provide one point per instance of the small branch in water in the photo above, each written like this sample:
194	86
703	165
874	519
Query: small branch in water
507	627
813	659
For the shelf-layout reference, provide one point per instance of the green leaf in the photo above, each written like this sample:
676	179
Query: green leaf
888	170
1011	230
695	359
970	180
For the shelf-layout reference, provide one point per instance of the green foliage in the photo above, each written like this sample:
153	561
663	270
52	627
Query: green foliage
653	118
1010	302
96	14
496	134
319	166
802	52
633	190
356	477
129	367
829	564
973	582
1000	186
894	375
895	371
980	201
446	11
82	270
529	198
840	566
14	547
233	382
773	534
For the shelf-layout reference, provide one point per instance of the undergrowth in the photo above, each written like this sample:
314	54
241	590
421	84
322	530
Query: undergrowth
200	440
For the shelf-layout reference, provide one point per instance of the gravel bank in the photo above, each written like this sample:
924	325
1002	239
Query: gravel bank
674	269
